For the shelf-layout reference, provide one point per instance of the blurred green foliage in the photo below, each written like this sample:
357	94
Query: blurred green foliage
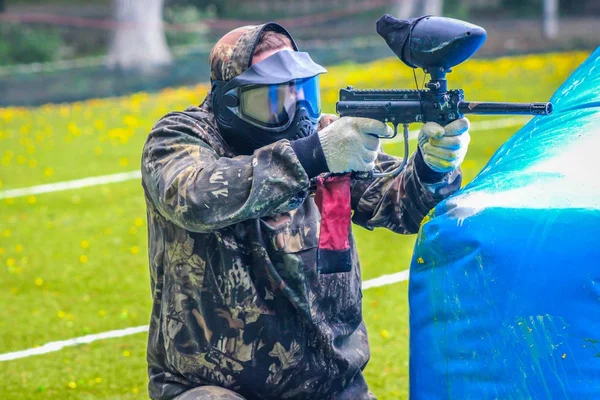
516	9
214	6
187	14
21	44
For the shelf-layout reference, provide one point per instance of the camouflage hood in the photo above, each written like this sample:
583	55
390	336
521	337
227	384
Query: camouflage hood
231	67
229	57
232	54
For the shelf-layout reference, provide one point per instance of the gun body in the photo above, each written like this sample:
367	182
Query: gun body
408	106
435	44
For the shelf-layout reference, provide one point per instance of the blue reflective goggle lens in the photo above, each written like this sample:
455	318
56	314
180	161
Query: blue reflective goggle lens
274	106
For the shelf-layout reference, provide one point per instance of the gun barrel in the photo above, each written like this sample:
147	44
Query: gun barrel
480	107
380	109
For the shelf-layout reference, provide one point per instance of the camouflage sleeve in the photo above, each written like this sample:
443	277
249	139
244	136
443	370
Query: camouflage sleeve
198	190
400	203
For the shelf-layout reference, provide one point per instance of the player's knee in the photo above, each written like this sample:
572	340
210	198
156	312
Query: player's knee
209	393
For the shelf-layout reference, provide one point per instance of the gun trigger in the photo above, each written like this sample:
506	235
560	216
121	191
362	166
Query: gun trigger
395	131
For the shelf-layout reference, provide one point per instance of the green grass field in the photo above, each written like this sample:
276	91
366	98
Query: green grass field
74	262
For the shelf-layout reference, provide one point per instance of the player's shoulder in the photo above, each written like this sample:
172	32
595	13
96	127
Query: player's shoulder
196	121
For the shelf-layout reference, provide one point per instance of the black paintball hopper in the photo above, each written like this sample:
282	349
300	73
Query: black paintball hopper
435	44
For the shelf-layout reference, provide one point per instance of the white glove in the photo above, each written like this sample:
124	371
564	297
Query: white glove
444	148
351	143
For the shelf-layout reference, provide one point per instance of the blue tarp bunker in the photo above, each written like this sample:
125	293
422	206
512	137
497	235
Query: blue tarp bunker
504	286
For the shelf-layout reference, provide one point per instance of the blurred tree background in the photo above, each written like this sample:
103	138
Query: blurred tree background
74	262
98	44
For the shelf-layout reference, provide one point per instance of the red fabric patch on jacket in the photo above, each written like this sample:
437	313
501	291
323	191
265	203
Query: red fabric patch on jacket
333	199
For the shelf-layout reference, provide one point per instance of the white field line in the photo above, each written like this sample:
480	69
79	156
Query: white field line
479	126
61	344
131	175
386	280
56	346
67	185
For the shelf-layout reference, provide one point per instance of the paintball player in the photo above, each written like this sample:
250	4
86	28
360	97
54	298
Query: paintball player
241	308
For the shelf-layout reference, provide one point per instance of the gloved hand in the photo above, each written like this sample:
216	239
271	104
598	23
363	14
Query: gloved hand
326	120
349	143
444	148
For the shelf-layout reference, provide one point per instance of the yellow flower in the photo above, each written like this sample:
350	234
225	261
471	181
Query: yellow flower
99	124
1	251
98	150
83	259
123	161
10	262
468	164
98	380
32	163
384	334
7	233
73	129
48	171
138	222
39	281
488	151
107	231
135	390
31	199
72	385
126	353
7	114
85	244
61	314
130	120
19	248
135	249
101	313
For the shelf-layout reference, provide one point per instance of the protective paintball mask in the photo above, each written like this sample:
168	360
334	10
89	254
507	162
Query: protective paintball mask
276	98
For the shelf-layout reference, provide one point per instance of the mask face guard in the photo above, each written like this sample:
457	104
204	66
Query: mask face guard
282	76
274	106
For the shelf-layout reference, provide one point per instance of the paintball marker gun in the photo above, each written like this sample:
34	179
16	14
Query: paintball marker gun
435	44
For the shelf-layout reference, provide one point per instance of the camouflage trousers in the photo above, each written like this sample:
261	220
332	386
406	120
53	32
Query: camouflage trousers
219	393
209	393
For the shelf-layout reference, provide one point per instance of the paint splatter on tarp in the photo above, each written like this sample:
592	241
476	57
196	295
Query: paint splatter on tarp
505	279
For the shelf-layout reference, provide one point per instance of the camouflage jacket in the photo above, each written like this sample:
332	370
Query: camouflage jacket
237	299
